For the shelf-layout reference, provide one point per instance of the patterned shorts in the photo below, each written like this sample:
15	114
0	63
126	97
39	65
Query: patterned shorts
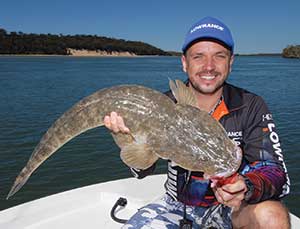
166	213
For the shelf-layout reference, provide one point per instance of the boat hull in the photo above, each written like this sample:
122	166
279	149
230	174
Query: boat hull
88	207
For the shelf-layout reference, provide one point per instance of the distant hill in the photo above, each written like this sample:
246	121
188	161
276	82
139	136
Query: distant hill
49	44
291	51
259	54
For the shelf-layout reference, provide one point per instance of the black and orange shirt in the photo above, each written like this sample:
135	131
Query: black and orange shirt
248	121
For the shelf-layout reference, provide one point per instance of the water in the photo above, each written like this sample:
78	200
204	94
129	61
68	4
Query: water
35	91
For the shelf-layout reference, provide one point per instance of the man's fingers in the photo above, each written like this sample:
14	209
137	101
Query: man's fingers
121	125
228	199
217	195
115	123
236	187
107	122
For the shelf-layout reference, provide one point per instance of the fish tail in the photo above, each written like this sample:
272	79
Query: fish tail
88	113
20	181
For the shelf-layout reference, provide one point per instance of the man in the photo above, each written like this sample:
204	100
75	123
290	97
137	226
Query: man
251	200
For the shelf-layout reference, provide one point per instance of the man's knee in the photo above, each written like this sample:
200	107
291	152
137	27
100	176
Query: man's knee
267	214
272	214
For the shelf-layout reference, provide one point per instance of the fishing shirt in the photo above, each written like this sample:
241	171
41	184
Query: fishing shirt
248	121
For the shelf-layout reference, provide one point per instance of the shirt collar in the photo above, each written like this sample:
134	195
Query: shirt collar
233	97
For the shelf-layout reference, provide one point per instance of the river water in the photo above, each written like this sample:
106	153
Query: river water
35	91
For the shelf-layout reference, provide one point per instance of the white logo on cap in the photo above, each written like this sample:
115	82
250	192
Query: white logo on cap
214	26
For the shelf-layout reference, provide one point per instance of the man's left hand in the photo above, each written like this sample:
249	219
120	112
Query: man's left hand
231	194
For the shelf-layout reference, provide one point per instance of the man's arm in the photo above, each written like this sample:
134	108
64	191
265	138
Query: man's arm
263	174
265	167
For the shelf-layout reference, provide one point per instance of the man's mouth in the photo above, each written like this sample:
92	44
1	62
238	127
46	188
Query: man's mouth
208	77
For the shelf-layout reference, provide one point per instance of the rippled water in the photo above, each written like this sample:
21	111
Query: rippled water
35	91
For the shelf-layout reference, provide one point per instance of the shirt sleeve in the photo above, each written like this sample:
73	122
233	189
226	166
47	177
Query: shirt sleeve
140	173
265	165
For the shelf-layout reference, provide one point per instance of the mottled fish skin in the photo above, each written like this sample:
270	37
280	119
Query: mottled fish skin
159	128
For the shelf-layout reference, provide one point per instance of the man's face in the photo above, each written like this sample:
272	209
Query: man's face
208	65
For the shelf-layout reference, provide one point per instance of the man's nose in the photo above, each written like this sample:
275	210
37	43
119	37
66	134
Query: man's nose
209	64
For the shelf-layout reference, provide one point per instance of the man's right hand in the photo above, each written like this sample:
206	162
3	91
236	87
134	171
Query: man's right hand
115	123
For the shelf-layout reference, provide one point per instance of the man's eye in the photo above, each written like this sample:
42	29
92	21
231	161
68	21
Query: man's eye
221	56
196	57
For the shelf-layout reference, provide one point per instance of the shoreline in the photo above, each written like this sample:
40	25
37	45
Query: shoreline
99	53
78	56
90	53
82	53
75	56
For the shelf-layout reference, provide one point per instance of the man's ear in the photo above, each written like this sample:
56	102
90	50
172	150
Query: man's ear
183	62
231	62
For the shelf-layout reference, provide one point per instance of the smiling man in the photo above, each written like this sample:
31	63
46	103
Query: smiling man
252	199
207	64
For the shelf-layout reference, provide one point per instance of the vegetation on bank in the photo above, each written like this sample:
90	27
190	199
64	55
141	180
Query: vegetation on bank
49	44
291	51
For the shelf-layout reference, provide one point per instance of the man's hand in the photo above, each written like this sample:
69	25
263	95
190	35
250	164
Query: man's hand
115	123
231	194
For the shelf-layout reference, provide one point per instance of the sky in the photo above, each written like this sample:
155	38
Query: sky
257	26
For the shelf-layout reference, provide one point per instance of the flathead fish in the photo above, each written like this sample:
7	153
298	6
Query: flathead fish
159	128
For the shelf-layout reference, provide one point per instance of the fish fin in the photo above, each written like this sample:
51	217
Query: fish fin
182	93
17	186
138	156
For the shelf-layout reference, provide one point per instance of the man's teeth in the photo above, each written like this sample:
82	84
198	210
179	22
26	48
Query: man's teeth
208	77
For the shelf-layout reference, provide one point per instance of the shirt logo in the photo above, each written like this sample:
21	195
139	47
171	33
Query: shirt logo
267	117
236	136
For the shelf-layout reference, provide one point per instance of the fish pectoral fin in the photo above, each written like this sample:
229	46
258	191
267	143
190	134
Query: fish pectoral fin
123	140
182	93
139	156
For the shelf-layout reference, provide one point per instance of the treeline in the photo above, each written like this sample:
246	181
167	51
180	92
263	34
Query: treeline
291	51
22	43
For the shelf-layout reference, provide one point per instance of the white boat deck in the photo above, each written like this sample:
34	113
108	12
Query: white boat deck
88	207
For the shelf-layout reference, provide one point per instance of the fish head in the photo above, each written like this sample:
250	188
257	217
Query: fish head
237	155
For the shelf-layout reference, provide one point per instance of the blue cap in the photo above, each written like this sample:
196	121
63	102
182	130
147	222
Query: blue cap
210	28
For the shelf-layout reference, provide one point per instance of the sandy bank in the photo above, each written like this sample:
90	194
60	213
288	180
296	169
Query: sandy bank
84	52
